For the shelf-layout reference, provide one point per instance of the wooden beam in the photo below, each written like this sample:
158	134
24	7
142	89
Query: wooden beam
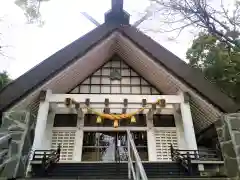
42	95
87	102
133	99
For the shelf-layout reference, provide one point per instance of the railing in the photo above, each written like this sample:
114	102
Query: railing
5	152
138	172
38	155
47	157
182	158
185	157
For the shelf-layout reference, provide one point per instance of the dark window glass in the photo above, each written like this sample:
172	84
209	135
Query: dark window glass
140	138
163	120
140	121
91	120
65	120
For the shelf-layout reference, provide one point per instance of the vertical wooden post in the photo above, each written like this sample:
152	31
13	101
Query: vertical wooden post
189	132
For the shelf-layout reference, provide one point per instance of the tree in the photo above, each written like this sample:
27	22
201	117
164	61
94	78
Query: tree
216	51
208	15
219	65
1	46
31	10
4	79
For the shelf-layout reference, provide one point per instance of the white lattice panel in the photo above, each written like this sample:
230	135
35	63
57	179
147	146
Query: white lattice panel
67	140
164	138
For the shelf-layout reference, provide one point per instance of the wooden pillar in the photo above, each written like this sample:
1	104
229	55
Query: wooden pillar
152	154
39	138
79	137
188	127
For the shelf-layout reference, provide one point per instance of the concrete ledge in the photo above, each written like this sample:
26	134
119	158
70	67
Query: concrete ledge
206	162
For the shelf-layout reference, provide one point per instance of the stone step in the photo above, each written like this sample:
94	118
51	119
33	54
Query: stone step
202	178
190	178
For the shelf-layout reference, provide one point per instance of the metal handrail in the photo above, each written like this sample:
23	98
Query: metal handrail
38	154
201	155
184	161
139	171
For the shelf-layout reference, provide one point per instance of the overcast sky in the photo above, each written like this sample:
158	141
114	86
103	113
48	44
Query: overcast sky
30	44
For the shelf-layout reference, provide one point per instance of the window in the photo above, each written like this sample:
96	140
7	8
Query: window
135	80
163	120
65	120
106	72
140	121
91	120
125	72
95	89
126	90
105	90
146	90
136	90
84	89
76	90
95	80
115	89
87	81
124	81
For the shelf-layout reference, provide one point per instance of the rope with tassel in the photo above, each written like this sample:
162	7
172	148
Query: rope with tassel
115	117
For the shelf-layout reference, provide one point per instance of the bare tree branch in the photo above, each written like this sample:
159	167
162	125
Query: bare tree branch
201	13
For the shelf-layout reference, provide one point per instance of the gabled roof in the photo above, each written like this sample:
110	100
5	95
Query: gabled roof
41	73
193	77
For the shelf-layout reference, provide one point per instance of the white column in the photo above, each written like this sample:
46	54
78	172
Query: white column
152	155
189	132
180	130
41	123
79	137
48	131
78	145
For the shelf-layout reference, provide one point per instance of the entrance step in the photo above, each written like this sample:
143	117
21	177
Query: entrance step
116	171
85	171
189	178
167	170
127	179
